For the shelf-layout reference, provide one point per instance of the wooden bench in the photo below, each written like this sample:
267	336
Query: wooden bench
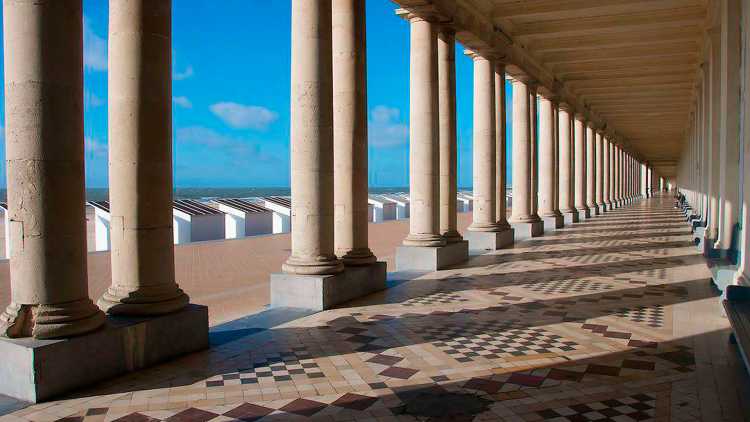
737	306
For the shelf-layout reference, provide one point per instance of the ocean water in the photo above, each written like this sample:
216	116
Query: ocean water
102	194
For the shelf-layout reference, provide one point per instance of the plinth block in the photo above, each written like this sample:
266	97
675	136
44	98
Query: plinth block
431	258
528	230
584	214
489	241
570	218
553	222
320	292
37	370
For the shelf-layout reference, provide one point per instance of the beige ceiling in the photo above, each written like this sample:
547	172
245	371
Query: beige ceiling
633	63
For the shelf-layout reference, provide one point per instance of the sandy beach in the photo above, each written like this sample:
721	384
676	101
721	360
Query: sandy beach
231	277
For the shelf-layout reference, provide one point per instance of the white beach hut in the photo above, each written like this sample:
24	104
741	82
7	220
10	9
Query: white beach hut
194	221
465	203
384	208
102	220
6	220
243	218
282	212
402	205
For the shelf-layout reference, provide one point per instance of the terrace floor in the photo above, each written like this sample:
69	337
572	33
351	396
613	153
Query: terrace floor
614	319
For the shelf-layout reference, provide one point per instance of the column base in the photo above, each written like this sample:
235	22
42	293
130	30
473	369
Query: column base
431	258
584	214
553	222
320	292
594	210
489	241
570	217
602	208
38	370
528	230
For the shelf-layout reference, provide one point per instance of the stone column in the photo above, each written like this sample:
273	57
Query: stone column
570	214
556	158
591	174
729	151
446	50
483	231
140	149
599	147
547	185
714	137
484	145
613	174
616	176
44	151
579	131
423	136
312	141
606	192
525	223
534	154
501	143
350	133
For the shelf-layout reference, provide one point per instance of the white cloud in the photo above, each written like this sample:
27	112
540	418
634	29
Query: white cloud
241	116
384	129
95	147
94	49
183	102
239	150
187	73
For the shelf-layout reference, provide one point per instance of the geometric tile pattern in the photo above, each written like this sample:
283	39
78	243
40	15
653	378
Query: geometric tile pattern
653	316
435	299
638	407
568	286
495	339
612	319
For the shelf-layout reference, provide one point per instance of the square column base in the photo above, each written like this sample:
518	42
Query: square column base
553	222
528	230
602	208
594	210
320	292
489	241
431	258
37	370
570	218
584	214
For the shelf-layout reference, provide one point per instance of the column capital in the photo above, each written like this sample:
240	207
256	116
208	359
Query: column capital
479	55
426	12
565	106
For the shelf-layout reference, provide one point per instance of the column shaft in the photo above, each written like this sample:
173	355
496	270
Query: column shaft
566	160
600	171
484	146
44	152
501	144
534	153
424	165
312	140
140	160
606	174
546	158
580	165
521	209
350	133
591	168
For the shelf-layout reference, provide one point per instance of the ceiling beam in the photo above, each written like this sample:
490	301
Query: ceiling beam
643	52
595	25
620	39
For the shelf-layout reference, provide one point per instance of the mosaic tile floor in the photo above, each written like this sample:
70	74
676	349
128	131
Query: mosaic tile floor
613	319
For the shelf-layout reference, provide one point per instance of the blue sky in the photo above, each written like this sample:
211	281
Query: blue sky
231	94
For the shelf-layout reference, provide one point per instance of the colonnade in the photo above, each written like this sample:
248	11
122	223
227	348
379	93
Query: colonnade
567	164
713	171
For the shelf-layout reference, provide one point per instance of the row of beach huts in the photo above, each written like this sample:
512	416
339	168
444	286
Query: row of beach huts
233	218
